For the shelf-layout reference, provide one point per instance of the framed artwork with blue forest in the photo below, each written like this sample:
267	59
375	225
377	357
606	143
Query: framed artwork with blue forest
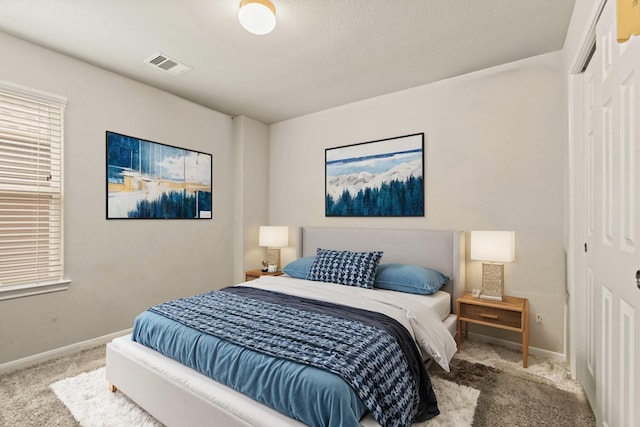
149	180
383	178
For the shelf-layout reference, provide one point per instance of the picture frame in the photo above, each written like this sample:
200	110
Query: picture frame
382	178
150	180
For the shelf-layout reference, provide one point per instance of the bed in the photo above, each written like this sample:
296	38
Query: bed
178	395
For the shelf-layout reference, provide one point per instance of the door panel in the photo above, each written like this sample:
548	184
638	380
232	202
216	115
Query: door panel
628	400
611	193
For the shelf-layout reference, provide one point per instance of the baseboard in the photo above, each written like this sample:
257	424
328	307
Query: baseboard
83	345
62	351
510	344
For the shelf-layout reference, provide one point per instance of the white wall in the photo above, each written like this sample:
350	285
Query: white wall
118	268
494	160
251	148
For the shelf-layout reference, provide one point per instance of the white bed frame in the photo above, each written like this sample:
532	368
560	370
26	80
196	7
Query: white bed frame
206	402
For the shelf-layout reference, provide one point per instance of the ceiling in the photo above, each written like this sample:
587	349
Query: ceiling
322	54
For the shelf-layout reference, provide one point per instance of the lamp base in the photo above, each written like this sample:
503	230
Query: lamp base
273	257
492	281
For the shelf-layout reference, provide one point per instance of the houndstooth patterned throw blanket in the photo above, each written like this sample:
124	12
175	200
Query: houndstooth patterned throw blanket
368	357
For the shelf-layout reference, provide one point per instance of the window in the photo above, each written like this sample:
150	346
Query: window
31	136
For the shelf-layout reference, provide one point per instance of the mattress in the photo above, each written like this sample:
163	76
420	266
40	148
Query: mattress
440	303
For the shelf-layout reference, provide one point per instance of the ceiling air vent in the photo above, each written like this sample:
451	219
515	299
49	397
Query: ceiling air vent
165	63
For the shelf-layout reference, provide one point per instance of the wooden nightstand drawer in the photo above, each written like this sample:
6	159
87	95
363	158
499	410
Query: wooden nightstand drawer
491	315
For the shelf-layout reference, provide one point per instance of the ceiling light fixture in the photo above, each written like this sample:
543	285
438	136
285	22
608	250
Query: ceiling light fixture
257	16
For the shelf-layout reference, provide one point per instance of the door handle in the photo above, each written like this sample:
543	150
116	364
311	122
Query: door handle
489	316
638	279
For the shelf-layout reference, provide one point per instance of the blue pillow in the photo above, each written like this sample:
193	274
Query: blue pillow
345	267
300	267
408	278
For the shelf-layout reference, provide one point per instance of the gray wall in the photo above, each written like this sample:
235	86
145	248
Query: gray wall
118	267
494	143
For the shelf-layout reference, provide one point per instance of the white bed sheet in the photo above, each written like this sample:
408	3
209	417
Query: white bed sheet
451	323
440	301
416	313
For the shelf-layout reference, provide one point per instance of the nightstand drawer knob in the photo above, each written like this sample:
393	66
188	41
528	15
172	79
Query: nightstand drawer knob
489	316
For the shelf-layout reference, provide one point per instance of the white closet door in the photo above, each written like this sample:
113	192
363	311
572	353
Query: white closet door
611	224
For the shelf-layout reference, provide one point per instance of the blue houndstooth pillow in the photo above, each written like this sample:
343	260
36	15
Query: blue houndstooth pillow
345	267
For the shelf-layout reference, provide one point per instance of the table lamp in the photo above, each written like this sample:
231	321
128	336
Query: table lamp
493	248
273	238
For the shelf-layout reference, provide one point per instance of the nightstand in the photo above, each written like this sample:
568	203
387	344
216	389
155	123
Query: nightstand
254	274
511	314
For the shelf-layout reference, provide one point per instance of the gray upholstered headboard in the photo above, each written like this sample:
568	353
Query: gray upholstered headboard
442	250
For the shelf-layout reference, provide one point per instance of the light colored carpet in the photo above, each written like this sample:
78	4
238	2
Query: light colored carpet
89	400
26	400
506	393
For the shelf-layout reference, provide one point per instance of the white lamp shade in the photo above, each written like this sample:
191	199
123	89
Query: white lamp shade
257	16
496	246
273	236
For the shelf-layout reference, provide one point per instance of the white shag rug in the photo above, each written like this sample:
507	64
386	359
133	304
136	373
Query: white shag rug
92	404
89	400
457	404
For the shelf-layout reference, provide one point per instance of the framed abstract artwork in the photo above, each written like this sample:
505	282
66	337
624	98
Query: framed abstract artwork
377	178
149	180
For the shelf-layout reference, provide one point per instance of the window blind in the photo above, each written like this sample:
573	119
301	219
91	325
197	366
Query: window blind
31	139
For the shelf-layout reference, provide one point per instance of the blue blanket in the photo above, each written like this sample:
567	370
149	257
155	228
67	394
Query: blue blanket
371	352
